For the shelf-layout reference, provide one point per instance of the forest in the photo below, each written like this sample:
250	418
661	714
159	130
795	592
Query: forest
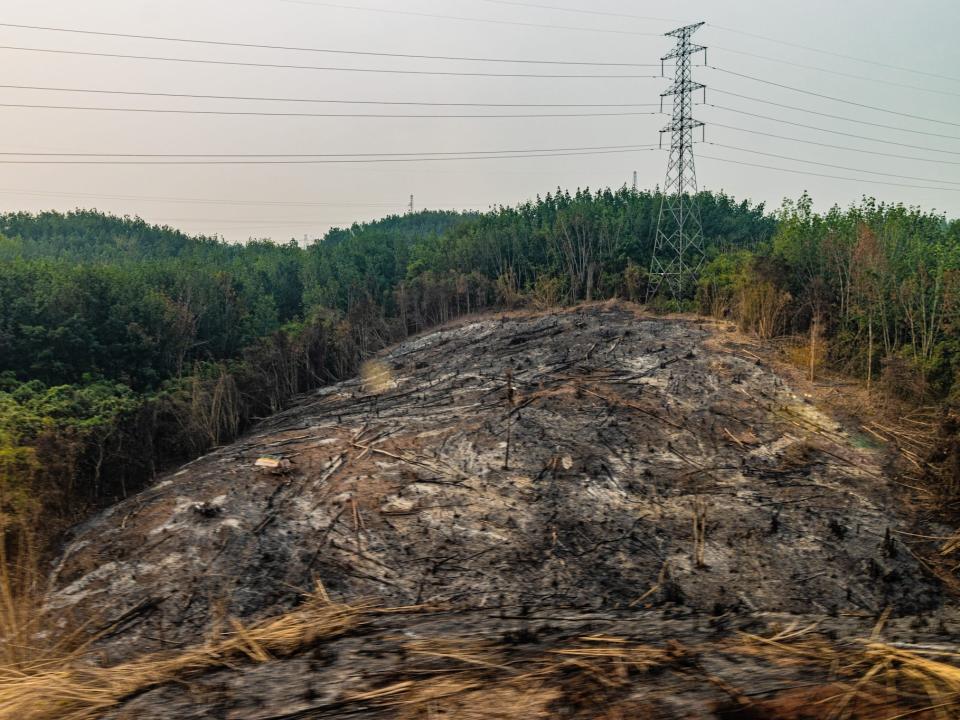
126	348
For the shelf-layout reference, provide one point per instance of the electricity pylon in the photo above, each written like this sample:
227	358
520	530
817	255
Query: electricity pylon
678	249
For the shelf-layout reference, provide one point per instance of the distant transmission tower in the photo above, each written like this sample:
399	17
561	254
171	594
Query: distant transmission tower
411	205
634	181
678	250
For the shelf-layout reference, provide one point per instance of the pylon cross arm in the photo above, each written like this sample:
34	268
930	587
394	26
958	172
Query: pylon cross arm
686	125
685	51
679	89
685	30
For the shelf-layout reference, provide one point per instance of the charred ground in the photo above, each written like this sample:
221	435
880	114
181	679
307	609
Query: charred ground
540	478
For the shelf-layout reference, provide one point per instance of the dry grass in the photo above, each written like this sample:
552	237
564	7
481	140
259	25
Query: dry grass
28	638
699	532
72	688
952	546
477	682
458	678
930	677
872	679
499	702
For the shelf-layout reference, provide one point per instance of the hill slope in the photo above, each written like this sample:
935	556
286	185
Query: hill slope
652	464
621	429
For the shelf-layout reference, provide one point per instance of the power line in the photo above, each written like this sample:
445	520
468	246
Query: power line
579	12
829	165
325	161
458	18
709	25
838	147
838	73
167	111
137	93
832	53
206	201
836	117
192	201
326	155
330	51
823	175
834	99
252	223
459	152
281	66
832	132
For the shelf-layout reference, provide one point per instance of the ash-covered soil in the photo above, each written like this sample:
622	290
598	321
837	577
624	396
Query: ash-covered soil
483	665
595	461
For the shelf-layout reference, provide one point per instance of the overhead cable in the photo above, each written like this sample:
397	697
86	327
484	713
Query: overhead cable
329	51
196	96
259	113
824	175
833	53
782	121
338	161
832	98
323	68
830	165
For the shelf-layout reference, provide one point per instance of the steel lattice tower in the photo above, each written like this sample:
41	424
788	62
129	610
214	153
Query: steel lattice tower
678	249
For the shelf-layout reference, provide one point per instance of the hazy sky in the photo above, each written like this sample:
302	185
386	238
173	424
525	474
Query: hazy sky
291	200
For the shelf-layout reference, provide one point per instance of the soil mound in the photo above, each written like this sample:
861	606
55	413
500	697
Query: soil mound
594	461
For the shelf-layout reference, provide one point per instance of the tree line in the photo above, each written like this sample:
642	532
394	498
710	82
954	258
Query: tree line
877	284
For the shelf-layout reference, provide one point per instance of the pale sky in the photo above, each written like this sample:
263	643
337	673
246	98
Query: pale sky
293	200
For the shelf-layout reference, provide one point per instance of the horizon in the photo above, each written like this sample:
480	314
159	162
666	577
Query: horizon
770	211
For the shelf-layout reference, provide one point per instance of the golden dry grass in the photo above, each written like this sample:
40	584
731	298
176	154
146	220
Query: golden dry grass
952	546
73	688
28	638
460	678
452	699
477	682
872	679
929	678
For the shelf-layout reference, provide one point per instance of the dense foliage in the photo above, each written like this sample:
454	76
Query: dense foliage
126	347
878	284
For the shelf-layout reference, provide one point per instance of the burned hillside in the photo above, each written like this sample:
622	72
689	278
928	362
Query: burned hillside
594	460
